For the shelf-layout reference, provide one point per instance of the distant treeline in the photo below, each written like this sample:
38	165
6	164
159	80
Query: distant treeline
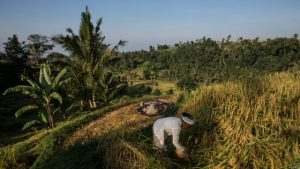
208	60
202	61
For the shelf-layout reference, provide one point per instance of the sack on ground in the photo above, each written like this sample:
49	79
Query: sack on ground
152	108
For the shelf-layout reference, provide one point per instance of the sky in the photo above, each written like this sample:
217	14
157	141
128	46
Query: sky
150	22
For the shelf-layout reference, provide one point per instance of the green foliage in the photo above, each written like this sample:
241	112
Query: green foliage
138	90
187	83
110	86
38	45
146	70
212	61
58	60
25	109
15	50
170	92
30	124
89	55
12	62
44	92
156	92
180	98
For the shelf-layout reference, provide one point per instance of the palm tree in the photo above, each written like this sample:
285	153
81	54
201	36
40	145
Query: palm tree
89	53
44	92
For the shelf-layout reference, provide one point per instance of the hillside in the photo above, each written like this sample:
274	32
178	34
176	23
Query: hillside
249	123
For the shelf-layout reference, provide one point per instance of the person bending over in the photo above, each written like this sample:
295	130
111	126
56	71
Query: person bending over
167	126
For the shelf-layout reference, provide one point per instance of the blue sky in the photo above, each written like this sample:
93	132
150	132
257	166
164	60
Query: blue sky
143	23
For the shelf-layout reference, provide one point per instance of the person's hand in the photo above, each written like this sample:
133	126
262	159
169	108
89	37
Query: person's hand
182	154
186	154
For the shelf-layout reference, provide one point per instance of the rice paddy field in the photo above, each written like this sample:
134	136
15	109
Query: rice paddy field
246	123
250	123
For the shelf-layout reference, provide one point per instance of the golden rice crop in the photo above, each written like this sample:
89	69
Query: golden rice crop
249	123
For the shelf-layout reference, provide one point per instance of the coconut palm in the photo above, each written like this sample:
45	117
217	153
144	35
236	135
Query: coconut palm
89	53
44	92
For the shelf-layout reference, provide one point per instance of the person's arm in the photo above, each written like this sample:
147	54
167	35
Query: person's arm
175	140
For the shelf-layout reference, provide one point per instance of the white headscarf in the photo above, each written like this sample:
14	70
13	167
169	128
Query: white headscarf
188	118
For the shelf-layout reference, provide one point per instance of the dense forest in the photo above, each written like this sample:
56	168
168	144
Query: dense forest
208	60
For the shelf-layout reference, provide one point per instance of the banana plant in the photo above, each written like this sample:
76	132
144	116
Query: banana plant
44	91
109	86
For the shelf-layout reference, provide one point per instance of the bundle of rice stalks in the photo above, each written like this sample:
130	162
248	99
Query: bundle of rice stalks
251	123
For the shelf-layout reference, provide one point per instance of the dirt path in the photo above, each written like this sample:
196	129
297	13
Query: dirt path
125	118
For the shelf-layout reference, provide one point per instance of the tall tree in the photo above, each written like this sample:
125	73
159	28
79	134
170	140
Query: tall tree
15	58
14	49
89	54
37	46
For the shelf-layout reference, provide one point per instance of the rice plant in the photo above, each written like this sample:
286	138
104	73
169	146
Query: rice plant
249	123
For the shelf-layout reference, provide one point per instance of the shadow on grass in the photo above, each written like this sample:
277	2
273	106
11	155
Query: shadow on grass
79	156
90	154
118	149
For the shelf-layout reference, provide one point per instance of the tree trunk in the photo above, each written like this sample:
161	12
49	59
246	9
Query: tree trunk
94	100
50	116
91	103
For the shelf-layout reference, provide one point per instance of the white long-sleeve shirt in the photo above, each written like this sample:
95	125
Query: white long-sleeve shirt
169	126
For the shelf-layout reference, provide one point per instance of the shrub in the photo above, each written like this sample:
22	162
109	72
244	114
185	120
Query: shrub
156	92
187	83
170	92
138	90
180	99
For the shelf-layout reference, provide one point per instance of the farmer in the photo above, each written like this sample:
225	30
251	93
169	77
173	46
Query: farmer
171	126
